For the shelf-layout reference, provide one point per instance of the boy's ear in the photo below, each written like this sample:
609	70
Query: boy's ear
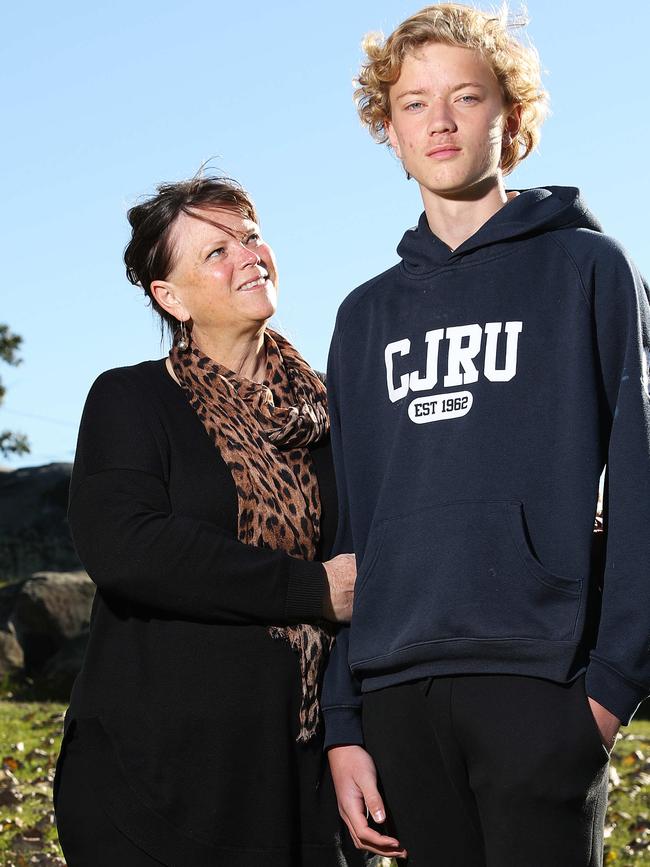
392	138
512	125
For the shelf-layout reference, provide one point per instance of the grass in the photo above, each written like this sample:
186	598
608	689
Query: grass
627	830
30	734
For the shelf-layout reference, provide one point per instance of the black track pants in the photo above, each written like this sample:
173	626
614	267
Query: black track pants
490	771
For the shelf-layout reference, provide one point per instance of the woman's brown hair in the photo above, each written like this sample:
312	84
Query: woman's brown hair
149	255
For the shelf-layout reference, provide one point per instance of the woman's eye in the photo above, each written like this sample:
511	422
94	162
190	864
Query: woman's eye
218	251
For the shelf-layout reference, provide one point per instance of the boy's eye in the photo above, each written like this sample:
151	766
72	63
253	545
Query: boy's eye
414	105
468	99
253	237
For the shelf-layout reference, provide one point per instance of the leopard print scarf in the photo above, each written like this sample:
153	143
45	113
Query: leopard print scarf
262	431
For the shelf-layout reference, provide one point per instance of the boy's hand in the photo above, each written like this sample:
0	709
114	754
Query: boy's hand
608	724
355	781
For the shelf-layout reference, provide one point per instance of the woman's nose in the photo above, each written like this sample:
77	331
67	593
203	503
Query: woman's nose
249	255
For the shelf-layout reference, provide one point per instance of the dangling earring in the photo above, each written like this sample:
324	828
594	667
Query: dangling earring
408	175
183	342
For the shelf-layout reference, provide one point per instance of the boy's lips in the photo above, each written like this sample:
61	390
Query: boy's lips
443	151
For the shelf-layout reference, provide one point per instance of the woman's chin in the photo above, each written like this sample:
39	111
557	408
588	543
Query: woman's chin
261	305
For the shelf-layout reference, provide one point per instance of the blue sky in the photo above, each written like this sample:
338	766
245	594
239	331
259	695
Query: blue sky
102	101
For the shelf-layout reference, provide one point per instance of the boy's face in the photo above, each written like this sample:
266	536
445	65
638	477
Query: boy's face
448	120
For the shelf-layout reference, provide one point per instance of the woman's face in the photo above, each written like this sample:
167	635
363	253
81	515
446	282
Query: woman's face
224	275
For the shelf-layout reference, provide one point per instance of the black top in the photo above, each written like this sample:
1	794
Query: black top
188	708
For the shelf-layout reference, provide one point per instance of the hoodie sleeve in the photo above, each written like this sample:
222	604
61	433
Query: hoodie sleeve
618	676
341	699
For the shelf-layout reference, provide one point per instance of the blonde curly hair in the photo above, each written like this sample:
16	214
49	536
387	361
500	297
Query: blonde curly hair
515	65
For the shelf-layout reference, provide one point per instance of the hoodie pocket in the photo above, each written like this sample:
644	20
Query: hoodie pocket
458	570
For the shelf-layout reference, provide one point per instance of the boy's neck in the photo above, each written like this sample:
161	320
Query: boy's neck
458	216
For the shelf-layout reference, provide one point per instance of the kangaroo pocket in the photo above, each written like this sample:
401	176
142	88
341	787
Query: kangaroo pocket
453	571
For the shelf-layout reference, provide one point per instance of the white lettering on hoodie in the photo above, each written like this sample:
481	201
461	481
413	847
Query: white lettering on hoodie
464	346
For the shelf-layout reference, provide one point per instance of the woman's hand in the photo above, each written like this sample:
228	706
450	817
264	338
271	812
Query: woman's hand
355	781
341	575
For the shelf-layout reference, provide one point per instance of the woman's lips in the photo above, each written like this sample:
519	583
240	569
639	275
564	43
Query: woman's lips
252	285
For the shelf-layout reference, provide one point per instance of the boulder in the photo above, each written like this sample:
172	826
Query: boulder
12	658
34	532
60	671
50	609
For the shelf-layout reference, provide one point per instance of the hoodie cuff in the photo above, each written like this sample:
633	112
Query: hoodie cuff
305	591
342	727
618	695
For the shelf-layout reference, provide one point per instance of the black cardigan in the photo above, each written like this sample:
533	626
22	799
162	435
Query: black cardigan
180	672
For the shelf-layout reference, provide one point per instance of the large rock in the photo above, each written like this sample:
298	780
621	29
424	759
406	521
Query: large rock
51	609
12	658
60	671
34	531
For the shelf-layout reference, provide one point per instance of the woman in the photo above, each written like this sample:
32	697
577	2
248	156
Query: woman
201	499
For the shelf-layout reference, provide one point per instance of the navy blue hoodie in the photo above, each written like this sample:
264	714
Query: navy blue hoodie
476	396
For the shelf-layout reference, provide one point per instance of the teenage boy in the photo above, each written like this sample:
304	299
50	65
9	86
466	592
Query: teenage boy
477	389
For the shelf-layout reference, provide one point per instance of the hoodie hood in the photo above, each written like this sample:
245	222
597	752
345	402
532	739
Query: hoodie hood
532	212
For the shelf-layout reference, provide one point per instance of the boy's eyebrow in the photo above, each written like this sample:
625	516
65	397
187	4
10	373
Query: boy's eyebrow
415	92
467	84
419	91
